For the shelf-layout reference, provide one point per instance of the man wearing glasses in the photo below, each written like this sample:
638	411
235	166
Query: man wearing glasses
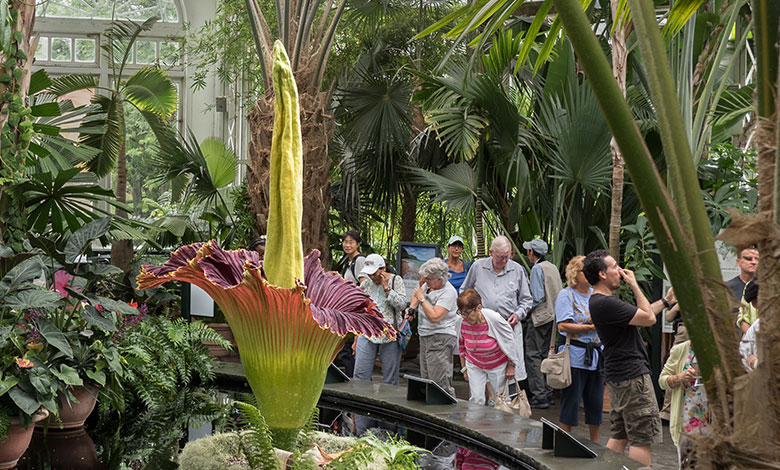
503	286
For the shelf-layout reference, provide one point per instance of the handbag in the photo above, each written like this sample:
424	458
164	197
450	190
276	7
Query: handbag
518	405
557	366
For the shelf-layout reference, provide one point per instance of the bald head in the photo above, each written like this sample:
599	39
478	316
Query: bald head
501	244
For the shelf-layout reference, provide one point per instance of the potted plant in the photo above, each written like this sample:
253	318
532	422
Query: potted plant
82	326
28	386
61	327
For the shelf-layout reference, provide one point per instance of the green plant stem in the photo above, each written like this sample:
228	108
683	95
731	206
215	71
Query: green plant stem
676	248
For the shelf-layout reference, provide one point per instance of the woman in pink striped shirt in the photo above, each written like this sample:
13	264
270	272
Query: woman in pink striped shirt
486	346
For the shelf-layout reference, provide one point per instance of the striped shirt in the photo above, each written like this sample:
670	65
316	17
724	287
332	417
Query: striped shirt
478	348
469	460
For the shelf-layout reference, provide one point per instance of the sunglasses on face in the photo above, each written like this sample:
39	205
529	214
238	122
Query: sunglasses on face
750	258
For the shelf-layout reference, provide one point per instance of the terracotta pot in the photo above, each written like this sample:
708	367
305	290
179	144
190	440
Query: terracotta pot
74	414
15	444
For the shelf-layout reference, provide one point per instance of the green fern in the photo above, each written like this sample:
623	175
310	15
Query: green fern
256	443
306	440
398	454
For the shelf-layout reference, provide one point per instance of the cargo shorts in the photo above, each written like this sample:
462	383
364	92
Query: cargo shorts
634	415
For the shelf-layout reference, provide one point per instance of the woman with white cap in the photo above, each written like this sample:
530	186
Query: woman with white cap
389	294
457	266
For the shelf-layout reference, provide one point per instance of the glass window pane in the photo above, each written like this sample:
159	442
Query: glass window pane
169	53
85	50
61	49
145	52
42	51
106	9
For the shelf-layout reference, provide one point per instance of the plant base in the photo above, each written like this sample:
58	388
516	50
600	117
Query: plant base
285	438
17	441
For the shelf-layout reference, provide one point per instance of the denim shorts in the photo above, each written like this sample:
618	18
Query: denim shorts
634	414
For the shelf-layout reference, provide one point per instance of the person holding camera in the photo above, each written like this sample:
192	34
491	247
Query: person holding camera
435	303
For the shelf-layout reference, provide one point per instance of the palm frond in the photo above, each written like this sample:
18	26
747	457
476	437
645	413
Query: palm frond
455	185
681	12
151	90
74	82
221	162
111	115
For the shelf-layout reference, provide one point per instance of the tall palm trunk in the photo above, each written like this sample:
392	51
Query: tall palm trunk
619	58
316	130
478	228
408	213
121	250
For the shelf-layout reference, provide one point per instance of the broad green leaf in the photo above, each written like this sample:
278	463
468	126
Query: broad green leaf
97	376
117	306
7	384
33	299
21	276
67	374
95	318
103	269
83	236
45	109
54	336
25	401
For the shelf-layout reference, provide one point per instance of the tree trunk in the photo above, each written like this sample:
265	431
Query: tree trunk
121	250
13	224
619	57
478	228
408	214
316	130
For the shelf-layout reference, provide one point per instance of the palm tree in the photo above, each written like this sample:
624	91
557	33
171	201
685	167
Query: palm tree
149	90
746	434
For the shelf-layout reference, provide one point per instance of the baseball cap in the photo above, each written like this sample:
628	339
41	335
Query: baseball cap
537	244
371	264
455	239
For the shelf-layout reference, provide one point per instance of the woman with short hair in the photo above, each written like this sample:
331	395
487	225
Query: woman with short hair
572	312
436	303
486	346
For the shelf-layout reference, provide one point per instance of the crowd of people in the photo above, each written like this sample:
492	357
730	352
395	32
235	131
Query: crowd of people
501	322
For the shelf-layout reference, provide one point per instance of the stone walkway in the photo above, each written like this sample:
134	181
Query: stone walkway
664	454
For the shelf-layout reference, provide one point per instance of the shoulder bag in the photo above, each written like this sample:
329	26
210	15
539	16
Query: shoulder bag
557	366
518	405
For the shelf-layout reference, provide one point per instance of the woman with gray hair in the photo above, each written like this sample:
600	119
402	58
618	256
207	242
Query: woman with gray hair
436	301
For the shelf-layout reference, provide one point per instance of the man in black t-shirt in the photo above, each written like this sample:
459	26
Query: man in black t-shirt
634	416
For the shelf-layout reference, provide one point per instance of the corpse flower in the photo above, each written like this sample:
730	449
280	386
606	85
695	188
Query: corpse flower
289	316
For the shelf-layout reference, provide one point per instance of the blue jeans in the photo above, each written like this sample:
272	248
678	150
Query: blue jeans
365	356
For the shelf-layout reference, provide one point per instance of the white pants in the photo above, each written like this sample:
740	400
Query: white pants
479	377
520	372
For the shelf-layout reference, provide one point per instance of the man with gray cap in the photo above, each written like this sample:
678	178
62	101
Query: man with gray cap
545	285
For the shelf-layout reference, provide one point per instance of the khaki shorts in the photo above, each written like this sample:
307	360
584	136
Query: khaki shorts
634	414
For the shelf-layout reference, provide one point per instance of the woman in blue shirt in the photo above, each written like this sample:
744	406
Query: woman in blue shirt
458	267
587	382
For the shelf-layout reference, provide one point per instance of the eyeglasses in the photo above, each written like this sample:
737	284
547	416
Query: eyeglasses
466	313
750	258
501	257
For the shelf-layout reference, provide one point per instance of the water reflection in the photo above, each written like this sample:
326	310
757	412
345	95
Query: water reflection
61	450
